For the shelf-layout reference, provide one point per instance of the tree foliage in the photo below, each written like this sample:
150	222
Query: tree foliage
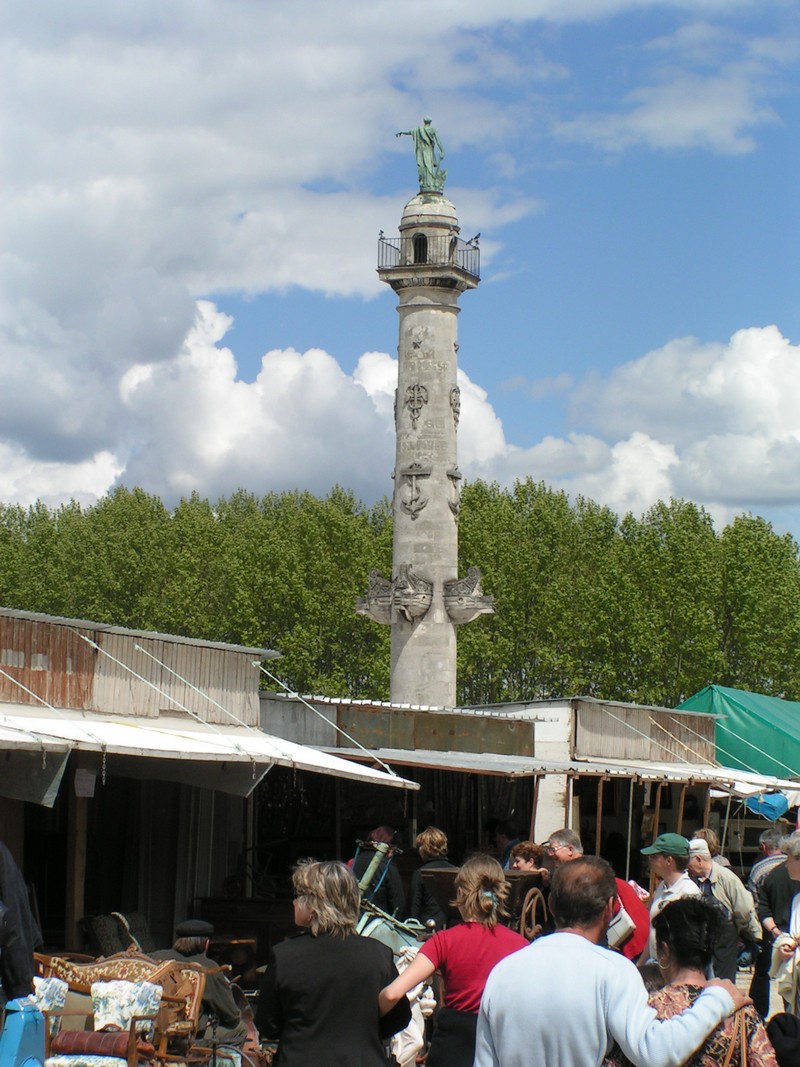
646	609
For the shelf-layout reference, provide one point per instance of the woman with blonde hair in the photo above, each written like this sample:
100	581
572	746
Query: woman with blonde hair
464	955
319	997
431	844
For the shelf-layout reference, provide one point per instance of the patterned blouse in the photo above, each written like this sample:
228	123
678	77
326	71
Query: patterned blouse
673	999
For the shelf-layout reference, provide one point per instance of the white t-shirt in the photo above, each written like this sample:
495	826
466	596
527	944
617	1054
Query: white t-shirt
562	1001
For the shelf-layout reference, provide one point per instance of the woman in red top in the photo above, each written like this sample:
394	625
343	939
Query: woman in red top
464	955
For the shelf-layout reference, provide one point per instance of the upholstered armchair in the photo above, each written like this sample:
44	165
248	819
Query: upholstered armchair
125	1015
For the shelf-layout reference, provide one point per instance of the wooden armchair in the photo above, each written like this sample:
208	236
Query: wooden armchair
183	984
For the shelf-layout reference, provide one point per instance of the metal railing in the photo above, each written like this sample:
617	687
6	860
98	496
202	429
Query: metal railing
437	250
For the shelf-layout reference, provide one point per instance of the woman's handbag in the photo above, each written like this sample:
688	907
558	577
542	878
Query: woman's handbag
738	1039
620	928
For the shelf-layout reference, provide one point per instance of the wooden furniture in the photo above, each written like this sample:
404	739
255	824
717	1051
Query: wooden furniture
182	985
127	1009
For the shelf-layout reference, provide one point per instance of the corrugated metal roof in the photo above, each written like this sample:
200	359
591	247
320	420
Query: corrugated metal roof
104	627
742	783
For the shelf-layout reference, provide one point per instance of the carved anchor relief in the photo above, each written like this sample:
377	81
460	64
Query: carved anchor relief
415	401
413	502
455	404
454	474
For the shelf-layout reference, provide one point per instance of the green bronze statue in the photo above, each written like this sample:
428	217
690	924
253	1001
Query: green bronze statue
426	144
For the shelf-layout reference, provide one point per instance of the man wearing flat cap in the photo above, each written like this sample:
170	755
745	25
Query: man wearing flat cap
191	943
721	887
669	858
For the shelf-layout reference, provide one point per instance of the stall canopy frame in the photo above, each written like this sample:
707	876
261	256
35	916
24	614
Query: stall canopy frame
171	748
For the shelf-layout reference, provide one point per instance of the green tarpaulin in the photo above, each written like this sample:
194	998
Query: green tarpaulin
755	732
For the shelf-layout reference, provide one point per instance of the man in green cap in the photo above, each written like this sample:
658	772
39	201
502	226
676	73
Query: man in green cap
669	858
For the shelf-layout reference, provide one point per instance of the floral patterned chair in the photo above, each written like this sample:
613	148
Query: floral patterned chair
125	1015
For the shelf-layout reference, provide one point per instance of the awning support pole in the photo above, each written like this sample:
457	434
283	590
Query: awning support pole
707	808
599	824
657	812
77	827
534	804
681	802
727	817
630	833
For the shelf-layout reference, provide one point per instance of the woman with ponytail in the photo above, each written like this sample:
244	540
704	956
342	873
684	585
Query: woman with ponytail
685	933
464	955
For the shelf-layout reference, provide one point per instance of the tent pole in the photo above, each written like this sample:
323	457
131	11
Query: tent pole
707	809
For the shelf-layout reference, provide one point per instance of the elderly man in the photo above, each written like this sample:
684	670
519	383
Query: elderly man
772	856
564	999
669	858
565	846
221	1019
722	887
775	899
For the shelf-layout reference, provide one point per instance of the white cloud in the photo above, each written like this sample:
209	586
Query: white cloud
158	153
708	90
719	424
24	480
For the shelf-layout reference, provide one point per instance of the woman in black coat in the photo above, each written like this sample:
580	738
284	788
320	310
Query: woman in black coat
423	905
319	997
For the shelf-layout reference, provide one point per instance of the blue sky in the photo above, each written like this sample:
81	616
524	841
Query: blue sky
194	193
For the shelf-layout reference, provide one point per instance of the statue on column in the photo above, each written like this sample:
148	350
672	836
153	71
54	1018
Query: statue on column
429	166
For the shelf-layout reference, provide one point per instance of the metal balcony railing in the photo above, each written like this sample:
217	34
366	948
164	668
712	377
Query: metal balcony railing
438	250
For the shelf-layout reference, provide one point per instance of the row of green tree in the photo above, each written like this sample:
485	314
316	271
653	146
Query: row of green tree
647	609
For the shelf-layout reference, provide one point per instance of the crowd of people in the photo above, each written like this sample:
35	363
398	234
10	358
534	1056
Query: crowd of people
620	975
652	973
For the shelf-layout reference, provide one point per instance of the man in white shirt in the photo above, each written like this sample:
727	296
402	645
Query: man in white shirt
669	858
528	1011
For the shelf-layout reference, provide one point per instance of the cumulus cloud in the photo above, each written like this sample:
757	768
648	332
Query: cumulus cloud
157	154
717	424
302	422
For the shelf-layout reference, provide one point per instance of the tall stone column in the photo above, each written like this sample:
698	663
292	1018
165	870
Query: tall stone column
429	266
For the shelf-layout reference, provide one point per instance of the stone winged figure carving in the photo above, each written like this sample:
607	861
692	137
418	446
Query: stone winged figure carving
429	166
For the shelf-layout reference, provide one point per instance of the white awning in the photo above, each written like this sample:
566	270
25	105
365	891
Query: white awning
31	766
233	759
729	779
